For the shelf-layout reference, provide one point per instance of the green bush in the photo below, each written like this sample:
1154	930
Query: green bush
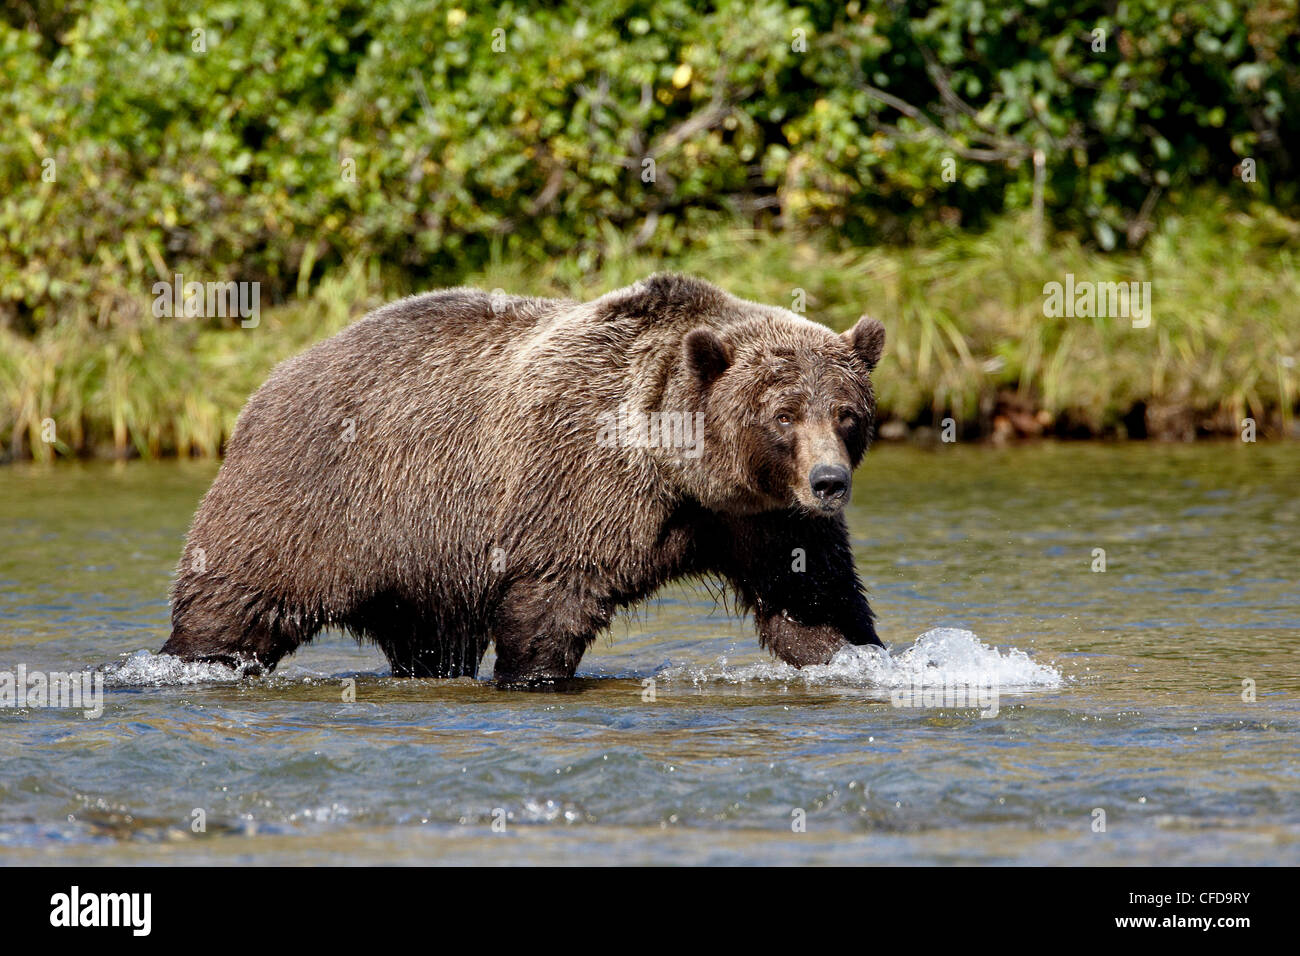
965	318
230	153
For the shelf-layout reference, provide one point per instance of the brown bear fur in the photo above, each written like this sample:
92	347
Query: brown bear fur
431	479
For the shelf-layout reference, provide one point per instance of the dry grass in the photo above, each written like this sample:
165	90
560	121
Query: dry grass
967	334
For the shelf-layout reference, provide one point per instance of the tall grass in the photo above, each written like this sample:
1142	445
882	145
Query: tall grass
967	335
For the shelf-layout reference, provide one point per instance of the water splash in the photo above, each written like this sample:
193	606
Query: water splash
941	655
146	669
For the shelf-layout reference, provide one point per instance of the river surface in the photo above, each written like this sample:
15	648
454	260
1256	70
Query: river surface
1144	714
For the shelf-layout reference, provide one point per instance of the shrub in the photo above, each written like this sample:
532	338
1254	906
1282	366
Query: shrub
277	141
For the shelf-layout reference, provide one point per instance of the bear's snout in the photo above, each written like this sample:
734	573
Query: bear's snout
830	484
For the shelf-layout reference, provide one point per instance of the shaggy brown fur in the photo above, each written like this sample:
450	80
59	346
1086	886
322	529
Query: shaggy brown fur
431	479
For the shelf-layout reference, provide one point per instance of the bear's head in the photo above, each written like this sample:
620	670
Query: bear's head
789	410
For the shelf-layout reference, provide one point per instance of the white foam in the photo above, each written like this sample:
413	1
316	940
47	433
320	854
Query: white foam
941	655
160	670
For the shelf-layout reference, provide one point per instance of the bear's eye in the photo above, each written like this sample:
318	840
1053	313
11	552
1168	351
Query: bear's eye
847	416
785	420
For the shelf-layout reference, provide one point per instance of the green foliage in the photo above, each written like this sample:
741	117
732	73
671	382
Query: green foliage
965	321
471	146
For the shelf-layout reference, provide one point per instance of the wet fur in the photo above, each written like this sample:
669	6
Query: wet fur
475	423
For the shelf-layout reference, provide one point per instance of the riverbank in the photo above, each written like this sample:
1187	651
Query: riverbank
977	347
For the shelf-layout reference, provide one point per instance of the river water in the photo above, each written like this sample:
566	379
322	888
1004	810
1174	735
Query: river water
1147	713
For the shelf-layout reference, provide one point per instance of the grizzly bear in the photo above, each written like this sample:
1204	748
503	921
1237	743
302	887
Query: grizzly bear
457	469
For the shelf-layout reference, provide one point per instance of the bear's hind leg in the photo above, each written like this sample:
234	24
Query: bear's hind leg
541	632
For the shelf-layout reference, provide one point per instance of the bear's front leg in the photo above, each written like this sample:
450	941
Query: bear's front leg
796	572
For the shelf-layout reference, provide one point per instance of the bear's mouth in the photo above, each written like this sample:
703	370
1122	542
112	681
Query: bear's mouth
819	507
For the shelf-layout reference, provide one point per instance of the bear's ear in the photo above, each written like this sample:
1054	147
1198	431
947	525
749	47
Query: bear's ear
867	339
707	356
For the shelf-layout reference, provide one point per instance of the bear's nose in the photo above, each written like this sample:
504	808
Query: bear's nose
829	482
